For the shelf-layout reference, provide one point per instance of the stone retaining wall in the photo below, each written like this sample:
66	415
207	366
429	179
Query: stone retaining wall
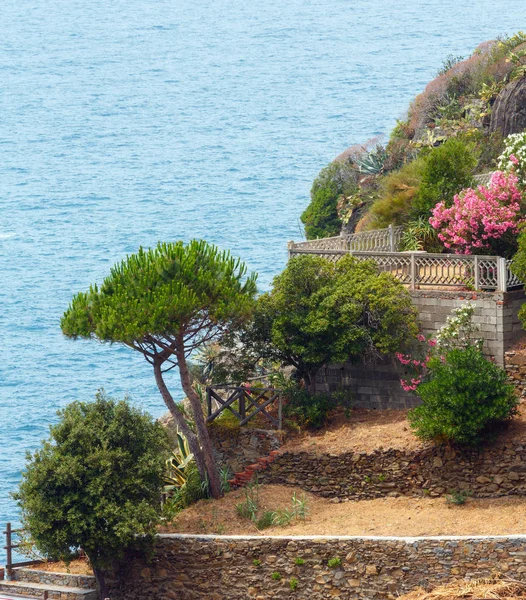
492	472
238	448
515	365
239	568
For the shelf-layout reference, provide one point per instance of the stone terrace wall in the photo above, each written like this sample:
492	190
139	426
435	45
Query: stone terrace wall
492	472
515	365
222	568
238	448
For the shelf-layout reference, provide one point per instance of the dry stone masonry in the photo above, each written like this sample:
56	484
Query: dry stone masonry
489	473
264	568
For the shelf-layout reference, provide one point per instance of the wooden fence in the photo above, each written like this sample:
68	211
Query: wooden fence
10	534
244	402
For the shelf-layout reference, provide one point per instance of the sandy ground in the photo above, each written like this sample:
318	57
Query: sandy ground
75	567
369	430
383	516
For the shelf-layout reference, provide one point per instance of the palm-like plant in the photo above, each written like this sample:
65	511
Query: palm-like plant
177	465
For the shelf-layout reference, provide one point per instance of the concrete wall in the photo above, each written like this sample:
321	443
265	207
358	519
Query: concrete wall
496	314
373	386
223	568
377	385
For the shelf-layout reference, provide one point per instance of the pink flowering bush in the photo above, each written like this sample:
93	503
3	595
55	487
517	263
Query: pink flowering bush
416	365
481	220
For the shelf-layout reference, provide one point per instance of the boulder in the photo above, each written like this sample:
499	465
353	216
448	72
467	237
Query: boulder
509	111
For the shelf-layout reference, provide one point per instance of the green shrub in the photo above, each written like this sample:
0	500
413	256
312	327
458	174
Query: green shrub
256	562
265	520
312	410
398	191
335	562
321	215
446	171
299	561
95	484
518	267
418	235
465	396
293	583
248	509
276	576
457	497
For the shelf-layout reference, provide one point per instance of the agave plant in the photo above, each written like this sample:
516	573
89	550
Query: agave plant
419	235
176	466
373	162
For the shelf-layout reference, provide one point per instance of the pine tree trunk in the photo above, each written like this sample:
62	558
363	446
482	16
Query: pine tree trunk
180	421
200	423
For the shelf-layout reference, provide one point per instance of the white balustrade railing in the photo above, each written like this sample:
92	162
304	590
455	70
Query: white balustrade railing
420	269
377	240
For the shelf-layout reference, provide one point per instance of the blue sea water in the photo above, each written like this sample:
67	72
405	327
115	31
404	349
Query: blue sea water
127	122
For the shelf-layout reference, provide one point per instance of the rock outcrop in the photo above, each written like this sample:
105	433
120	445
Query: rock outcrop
509	111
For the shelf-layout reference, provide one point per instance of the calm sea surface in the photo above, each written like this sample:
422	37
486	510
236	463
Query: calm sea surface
127	122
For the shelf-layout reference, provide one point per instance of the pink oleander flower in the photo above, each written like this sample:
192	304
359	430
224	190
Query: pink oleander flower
404	360
514	159
479	216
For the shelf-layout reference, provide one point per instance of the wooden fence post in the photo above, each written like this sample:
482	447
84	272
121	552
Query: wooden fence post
477	274
413	271
242	404
391	238
209	400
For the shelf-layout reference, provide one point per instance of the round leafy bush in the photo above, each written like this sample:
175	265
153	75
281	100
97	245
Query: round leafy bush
465	396
447	170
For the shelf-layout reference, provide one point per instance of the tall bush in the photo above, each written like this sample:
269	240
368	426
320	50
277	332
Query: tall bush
95	484
319	312
446	171
321	215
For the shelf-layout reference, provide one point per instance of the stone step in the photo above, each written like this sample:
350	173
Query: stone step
54	592
31	575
